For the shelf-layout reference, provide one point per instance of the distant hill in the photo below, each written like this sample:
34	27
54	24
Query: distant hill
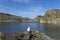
5	17
51	16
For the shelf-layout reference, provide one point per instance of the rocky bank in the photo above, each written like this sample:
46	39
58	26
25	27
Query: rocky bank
33	35
6	17
51	16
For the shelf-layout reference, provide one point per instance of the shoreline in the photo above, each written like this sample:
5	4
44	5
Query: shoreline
25	36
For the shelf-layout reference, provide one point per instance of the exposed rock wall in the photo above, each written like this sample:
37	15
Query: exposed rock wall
51	16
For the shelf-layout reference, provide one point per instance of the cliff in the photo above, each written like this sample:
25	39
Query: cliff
51	16
5	17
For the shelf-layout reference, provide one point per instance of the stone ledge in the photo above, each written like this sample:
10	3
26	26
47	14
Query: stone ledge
34	35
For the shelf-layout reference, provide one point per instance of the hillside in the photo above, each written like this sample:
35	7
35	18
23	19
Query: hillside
5	17
51	16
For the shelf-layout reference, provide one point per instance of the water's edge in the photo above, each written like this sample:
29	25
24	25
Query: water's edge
33	35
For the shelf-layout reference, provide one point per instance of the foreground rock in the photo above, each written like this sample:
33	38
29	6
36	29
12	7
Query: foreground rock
34	35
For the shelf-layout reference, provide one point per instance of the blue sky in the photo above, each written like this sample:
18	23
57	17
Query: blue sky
28	8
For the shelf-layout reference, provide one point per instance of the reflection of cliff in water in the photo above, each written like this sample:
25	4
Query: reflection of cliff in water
53	30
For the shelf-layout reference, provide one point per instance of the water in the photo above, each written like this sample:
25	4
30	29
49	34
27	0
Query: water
49	29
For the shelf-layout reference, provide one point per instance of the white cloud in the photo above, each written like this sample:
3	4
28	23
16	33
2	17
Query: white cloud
25	1
35	10
7	9
31	11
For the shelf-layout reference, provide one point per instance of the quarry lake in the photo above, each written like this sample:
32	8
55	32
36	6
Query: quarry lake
49	29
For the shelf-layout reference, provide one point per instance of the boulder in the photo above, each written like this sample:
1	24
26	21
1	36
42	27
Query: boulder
32	35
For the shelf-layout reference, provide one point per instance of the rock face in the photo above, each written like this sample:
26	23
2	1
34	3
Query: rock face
33	35
51	16
5	17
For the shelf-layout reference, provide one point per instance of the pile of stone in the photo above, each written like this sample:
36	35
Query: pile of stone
32	35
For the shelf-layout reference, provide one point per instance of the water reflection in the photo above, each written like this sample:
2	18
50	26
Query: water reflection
53	30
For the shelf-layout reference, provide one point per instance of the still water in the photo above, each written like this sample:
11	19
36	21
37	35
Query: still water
49	29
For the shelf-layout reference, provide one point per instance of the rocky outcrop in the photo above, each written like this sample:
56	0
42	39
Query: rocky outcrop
51	16
6	17
33	35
